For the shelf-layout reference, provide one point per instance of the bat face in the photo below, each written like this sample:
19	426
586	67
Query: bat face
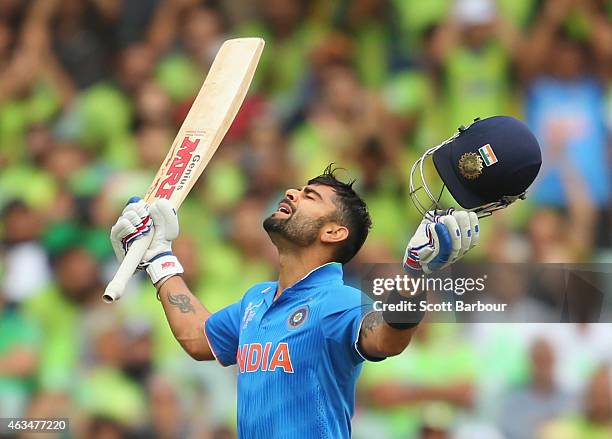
208	119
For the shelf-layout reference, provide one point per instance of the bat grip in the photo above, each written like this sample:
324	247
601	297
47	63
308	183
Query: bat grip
116	287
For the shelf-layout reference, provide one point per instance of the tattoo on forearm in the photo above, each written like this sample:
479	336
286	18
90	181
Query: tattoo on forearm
182	302
371	321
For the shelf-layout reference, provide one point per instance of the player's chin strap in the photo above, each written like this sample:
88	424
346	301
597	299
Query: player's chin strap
482	211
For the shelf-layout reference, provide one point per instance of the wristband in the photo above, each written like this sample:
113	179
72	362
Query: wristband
403	318
163	266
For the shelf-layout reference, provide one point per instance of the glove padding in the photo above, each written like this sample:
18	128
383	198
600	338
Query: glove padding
442	241
139	219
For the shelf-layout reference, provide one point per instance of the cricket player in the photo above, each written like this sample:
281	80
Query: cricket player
299	342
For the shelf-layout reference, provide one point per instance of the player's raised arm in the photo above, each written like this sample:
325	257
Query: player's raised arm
185	314
378	339
441	239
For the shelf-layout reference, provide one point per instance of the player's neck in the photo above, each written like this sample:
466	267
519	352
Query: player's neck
294	266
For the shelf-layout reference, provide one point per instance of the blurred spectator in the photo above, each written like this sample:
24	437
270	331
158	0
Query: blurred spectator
77	285
134	66
546	228
595	422
104	112
25	260
137	359
65	161
369	24
153	105
345	115
133	19
197	32
475	49
19	349
79	29
27	179
33	90
291	32
264	157
167	419
381	186
109	385
565	106
539	401
411	97
579	348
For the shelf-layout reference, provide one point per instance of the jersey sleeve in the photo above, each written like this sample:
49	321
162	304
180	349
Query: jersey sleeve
341	329
222	331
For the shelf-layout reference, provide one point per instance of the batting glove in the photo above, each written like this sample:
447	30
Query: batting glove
441	239
137	220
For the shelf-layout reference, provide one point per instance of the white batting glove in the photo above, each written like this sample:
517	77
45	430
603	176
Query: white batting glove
442	241
137	220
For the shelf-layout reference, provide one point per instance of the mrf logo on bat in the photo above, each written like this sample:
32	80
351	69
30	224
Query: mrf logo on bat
182	165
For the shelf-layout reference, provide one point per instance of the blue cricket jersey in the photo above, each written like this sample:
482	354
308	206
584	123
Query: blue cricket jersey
297	357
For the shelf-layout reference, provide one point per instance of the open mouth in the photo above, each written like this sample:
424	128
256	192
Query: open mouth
284	207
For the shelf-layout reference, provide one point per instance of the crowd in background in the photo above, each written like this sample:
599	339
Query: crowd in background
92	93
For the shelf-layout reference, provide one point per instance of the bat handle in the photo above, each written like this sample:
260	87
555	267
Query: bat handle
116	287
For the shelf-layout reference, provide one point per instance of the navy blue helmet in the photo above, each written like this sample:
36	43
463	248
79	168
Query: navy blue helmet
485	166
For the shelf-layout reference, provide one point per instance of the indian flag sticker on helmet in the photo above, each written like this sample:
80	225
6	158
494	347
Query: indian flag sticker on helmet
487	154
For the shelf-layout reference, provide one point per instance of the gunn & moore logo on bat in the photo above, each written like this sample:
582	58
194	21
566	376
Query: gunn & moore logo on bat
180	168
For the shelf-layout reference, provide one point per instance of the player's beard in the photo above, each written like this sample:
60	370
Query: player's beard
295	229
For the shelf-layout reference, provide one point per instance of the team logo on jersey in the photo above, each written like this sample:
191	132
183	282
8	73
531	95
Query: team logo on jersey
298	317
249	313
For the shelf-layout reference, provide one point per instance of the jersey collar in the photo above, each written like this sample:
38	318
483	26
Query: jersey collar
324	274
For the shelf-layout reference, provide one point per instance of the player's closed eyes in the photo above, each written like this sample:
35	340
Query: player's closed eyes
308	193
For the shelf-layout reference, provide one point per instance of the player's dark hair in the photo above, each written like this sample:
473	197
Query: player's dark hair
352	213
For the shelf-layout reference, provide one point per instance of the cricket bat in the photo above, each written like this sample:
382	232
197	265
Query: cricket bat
209	118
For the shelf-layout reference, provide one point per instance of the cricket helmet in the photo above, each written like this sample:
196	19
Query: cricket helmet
486	166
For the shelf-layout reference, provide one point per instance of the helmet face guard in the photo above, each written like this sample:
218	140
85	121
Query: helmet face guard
433	201
502	176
